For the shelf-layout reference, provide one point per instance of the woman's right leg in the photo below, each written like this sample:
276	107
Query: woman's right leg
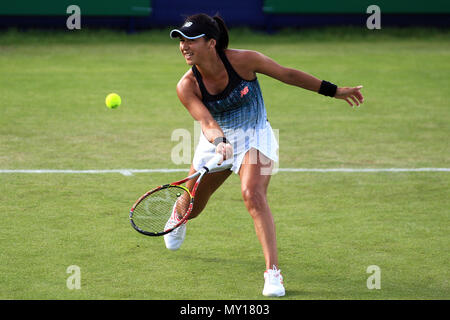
209	184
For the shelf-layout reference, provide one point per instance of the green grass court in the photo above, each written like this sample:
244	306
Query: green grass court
330	226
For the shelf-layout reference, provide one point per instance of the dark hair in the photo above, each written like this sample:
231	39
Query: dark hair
217	23
222	42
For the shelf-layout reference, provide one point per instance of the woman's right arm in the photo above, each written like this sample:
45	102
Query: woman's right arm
186	88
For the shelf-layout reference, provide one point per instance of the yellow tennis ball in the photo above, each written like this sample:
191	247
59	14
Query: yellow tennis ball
113	100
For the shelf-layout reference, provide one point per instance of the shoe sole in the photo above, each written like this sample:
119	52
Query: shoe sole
281	294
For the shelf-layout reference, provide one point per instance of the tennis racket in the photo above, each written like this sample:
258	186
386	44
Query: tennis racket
150	213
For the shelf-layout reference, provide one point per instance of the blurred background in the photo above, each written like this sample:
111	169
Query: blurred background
269	15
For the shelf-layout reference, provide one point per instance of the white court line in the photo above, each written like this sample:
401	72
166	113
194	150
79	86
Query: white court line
125	172
367	170
130	172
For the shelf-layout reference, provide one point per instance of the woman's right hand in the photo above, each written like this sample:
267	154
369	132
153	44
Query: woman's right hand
226	149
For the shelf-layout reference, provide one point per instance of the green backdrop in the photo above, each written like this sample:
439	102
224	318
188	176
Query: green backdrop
87	7
356	6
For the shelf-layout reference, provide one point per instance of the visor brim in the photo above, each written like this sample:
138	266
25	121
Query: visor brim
175	33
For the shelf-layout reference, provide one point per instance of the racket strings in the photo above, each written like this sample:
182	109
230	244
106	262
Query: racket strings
154	211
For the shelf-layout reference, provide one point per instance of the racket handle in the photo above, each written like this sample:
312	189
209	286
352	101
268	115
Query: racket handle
213	163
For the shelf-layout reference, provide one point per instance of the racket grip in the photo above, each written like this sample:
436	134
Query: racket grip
213	163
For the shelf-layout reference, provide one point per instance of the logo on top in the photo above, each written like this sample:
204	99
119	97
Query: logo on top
188	24
244	91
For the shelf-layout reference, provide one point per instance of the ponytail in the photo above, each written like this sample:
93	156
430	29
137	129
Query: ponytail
222	41
214	28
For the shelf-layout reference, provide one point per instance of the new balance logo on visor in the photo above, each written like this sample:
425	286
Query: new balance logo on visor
244	91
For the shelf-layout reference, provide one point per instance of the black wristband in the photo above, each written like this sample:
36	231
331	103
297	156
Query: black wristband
328	89
220	140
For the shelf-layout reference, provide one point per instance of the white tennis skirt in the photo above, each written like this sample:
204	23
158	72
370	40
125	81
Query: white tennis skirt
261	139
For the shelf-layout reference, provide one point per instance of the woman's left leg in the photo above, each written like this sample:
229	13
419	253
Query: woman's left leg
255	177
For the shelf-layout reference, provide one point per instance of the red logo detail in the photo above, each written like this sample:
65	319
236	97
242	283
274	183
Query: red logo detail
244	91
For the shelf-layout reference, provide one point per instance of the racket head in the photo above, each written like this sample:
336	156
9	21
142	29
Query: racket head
151	212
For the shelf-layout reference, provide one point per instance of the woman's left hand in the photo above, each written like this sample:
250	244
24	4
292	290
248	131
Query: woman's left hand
350	94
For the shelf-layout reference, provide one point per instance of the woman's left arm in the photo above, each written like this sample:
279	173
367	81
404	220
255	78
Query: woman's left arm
265	65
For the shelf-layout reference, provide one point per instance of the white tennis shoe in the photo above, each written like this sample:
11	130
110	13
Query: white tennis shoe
174	239
273	283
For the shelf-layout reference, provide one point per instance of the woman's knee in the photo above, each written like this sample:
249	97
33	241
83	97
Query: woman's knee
196	210
254	198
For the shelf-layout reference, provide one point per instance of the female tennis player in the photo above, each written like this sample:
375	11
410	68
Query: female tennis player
222	93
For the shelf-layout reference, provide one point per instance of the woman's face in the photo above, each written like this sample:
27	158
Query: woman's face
195	50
